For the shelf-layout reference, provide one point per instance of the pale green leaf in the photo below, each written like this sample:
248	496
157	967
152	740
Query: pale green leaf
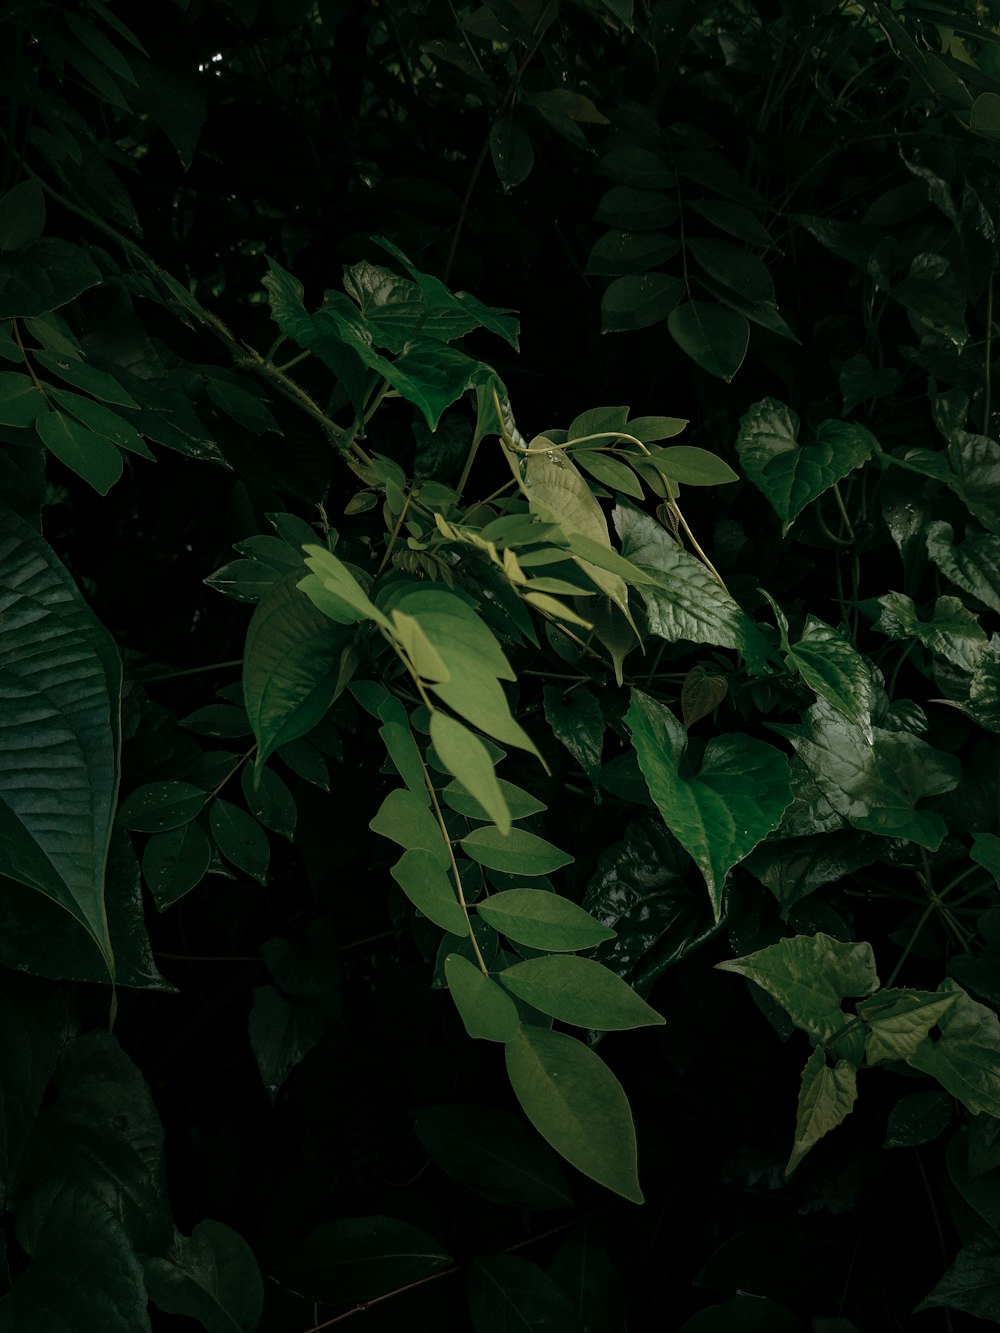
899	1020
466	758
485	1008
577	1105
335	577
691	466
720	814
579	991
809	976
826	1097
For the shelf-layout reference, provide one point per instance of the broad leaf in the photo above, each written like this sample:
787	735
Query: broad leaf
576	1104
684	600
984	689
508	1294
972	565
830	665
639	300
174	863
43	275
953	631
719	815
428	886
91	456
210	1276
157	807
485	1008
291	666
517	852
282	1033
918	1117
240	838
809	976
579	991
577	721
60	704
972	1283
22	214
826	1098
899	1020
542	920
585	1271
493	1153
965	1058
357	1258
714	337
405	818
792	475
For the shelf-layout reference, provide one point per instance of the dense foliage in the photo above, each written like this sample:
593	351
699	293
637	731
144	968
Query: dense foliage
440	812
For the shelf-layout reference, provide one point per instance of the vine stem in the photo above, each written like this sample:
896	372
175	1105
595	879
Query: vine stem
674	508
988	369
454	870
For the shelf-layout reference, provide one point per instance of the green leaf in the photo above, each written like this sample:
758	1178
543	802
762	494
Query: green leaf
826	1098
792	475
986	852
984	688
972	565
639	300
875	785
358	1258
692	466
542	920
520	802
405	818
578	723
617	253
156	807
282	1033
809	975
291	666
860	382
714	337
723	812
102	421
651	429
734	219
629	209
512	1295
350	602
701	694
21	401
174	863
833	668
579	991
243	580
609	472
493	1153
98	383
685	601
972	1283
90	456
467	759
420	875
22	215
632	165
899	1020
965	1058
953	632
223	720
754	1314
577	1105
587	1274
517	852
240	839
43	275
211	1276
269	801
306	762
487	1012
917	1118
60	710
512	151
558	494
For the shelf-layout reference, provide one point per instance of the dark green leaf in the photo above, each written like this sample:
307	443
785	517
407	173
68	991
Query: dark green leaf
512	1295
952	631
965	1057
282	1033
240	839
174	863
486	1010
586	1273
972	565
577	721
21	401
357	1258
826	1097
406	819
494	1154
639	300
617	253
43	275
86	377
714	337
210	1276
918	1117
749	1314
972	1283
631	165
629	209
579	991
542	920
159	806
93	457
517	852
22	215
512	151
269	801
102	421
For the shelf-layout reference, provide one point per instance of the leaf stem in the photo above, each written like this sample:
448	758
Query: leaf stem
988	369
843	513
674	508
454	870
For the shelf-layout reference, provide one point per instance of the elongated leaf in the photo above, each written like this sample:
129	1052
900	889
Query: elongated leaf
21	401
517	852
809	976
22	214
577	1105
792	475
685	601
103	421
542	920
520	803
493	1153
639	300
43	275
156	807
467	759
357	1258
81	375
587	1274
512	151
486	1009
579	991
832	667
210	1276
91	456
508	1294
720	815
291	667
617	253
692	466
714	337
405	818
826	1098
269	801
60	708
